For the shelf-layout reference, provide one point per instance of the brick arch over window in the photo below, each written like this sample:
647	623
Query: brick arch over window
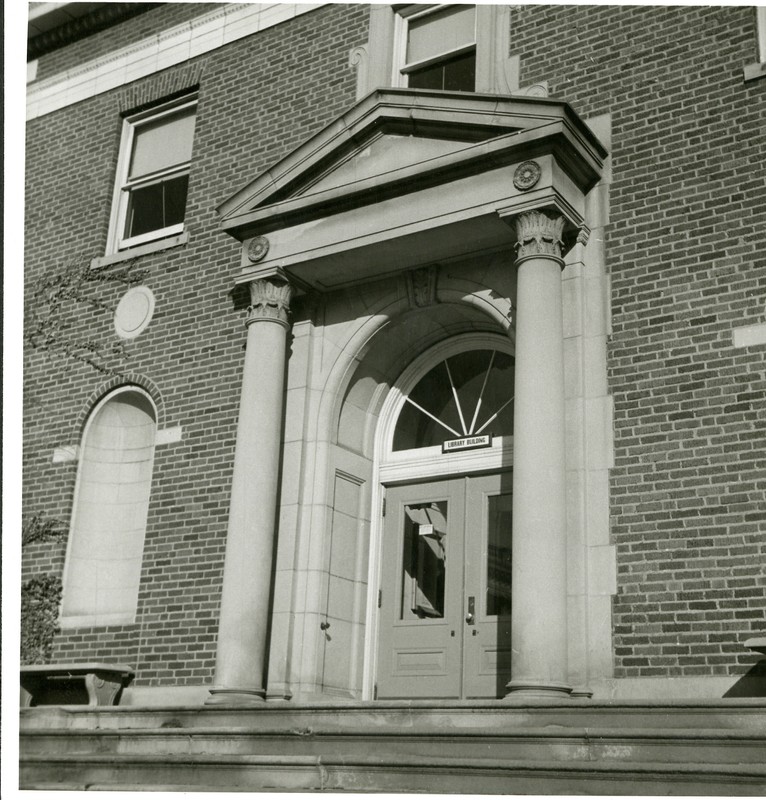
119	381
106	539
172	83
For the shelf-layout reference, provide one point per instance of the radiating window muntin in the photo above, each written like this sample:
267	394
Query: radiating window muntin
465	394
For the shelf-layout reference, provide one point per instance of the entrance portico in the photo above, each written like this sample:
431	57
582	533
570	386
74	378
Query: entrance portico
398	227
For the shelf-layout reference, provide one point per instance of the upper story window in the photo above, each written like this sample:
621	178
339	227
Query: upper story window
436	47
153	174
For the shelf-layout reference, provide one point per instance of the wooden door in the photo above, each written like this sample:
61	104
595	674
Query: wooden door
445	589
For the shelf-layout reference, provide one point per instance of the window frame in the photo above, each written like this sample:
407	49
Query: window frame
402	18
123	185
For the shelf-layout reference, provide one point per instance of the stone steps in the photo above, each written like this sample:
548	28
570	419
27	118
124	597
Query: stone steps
529	744
540	748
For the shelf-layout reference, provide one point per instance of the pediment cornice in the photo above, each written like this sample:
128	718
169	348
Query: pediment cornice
444	136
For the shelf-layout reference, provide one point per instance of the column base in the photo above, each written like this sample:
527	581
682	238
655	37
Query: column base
236	697
530	689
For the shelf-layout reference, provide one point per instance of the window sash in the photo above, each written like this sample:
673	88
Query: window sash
124	184
445	23
402	66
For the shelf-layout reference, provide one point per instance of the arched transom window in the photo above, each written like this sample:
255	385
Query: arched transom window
464	396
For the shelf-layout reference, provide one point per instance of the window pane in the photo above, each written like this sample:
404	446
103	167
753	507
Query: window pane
433	415
499	555
457	74
162	144
157	206
424	557
441	32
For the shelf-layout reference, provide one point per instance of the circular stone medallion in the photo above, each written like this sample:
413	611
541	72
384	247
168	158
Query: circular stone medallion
526	175
257	248
134	312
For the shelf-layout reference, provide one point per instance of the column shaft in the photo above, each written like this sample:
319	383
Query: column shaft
539	625
242	640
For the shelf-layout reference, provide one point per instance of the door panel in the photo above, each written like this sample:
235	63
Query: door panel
445	589
421	592
487	648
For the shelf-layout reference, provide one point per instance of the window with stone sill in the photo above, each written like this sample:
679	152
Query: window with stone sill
435	47
758	70
152	175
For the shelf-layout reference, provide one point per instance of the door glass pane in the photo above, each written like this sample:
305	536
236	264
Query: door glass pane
424	560
499	555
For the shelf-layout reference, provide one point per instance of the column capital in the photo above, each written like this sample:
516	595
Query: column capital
269	301
539	234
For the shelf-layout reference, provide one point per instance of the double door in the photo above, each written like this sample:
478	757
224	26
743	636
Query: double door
445	598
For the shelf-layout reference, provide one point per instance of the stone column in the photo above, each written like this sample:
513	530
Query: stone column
539	615
241	654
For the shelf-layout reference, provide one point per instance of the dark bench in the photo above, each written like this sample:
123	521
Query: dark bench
74	684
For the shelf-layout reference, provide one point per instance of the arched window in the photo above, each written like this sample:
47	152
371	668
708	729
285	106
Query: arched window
106	539
466	394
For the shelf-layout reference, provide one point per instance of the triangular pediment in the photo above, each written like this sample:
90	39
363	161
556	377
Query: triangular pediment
386	143
385	155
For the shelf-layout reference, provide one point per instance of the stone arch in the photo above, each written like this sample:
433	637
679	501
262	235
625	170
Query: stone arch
114	383
485	299
382	332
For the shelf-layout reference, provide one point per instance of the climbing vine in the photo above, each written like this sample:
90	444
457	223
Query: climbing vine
41	595
40	598
52	309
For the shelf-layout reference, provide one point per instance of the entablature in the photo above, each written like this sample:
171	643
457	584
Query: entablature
409	177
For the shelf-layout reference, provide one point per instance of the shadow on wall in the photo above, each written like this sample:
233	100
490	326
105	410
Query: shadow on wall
752	683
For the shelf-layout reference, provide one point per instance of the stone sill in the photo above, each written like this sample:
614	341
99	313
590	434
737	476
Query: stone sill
141	250
754	71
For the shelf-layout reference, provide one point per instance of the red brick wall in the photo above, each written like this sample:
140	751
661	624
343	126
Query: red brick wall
686	257
258	98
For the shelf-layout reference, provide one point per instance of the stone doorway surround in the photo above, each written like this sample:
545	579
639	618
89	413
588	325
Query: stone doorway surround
395	227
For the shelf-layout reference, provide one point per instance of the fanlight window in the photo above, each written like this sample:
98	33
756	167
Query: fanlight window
468	394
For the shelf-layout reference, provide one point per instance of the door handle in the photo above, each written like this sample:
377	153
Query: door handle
470	617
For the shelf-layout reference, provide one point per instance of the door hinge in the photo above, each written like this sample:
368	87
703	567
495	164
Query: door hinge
375	692
380	598
383	513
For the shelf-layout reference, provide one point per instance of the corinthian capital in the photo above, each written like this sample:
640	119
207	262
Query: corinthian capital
269	300
539	234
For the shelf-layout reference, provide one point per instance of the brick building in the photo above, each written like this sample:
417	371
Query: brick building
358	288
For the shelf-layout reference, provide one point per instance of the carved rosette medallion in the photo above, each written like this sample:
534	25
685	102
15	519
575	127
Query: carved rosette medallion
538	234
257	248
526	175
270	301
